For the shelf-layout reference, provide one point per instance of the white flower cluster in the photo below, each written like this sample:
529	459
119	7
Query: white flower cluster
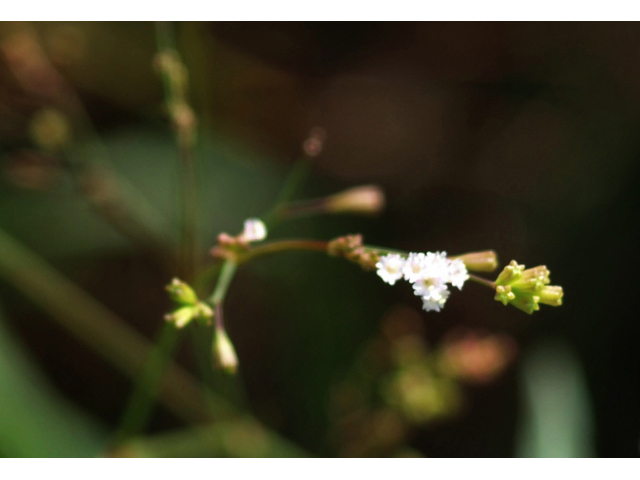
428	272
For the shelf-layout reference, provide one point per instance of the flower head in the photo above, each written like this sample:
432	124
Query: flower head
526	289
390	268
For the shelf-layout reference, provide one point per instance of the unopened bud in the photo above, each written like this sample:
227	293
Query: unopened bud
504	294
510	274
182	293
203	312
486	261
551	295
367	199
223	352
526	303
181	317
526	289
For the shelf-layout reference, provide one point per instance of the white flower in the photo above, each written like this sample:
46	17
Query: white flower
414	267
430	288
457	273
435	303
254	230
436	265
390	268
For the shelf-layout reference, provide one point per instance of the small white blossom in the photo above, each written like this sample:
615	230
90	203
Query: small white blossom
436	265
254	230
435	304
429	287
390	268
457	273
414	267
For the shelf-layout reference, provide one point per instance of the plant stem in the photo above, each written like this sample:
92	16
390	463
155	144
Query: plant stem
283	246
482	281
227	272
296	178
111	338
174	81
139	407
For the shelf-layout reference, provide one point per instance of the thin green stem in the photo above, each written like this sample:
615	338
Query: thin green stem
482	281
139	408
174	81
296	178
227	272
283	246
140	405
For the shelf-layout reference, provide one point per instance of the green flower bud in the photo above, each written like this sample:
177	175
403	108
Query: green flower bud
182	316
486	261
532	280
551	295
510	274
526	303
181	293
504	294
526	289
203	312
224	353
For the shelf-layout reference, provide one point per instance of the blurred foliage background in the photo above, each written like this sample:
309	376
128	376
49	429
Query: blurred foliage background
517	137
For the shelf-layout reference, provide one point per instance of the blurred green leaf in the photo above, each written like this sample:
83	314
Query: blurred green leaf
35	421
558	419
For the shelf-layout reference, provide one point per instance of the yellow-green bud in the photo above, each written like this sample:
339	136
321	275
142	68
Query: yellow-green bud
532	280
181	293
182	316
203	312
526	303
486	261
223	352
551	295
510	274
526	289
504	294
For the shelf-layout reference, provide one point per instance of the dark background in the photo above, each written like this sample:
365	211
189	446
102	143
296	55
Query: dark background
517	137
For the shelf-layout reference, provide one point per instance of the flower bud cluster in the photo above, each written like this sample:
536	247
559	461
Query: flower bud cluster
526	289
351	248
188	307
428	272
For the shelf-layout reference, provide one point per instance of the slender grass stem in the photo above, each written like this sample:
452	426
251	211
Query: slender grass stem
139	407
296	178
174	79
